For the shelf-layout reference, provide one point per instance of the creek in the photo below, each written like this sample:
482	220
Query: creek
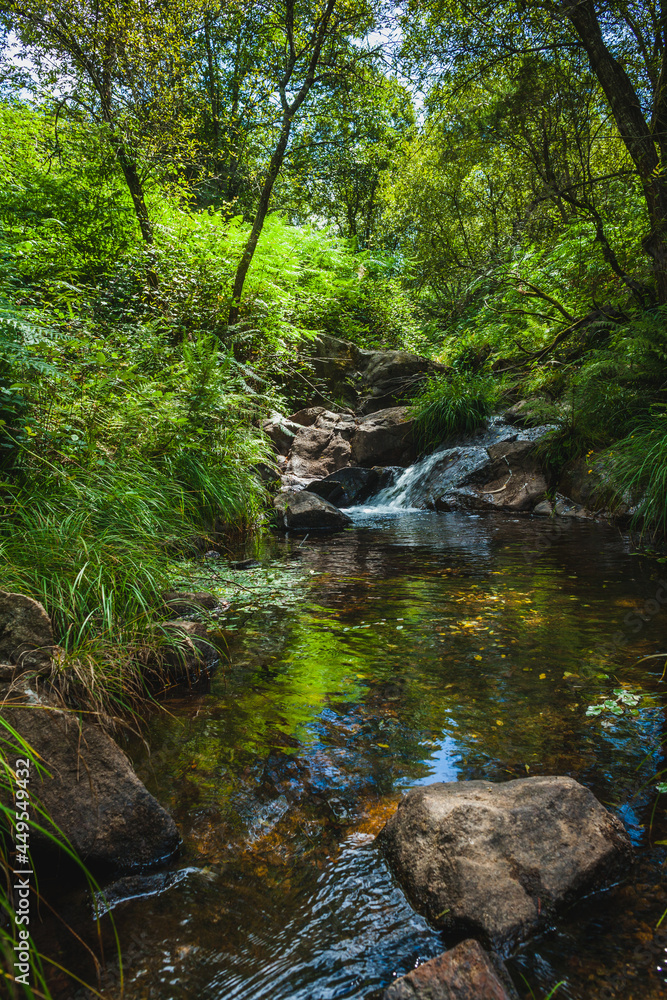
413	647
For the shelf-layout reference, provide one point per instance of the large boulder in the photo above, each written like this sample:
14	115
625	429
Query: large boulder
465	972
26	636
335	362
304	511
513	478
282	431
384	438
351	486
391	377
88	789
495	860
322	447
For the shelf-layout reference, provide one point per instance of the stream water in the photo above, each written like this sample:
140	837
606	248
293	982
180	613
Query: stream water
413	647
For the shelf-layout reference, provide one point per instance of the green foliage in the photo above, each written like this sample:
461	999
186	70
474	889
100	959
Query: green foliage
125	451
453	404
640	471
64	212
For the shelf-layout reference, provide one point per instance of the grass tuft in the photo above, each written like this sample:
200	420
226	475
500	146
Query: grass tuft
450	405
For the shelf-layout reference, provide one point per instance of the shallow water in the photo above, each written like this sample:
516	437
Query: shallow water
423	647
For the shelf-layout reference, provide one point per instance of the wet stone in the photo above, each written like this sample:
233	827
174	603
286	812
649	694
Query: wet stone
465	972
496	860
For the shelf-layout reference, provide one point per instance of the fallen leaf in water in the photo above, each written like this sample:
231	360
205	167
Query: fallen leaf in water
542	676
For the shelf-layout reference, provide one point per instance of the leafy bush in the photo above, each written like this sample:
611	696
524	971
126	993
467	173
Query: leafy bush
450	405
64	211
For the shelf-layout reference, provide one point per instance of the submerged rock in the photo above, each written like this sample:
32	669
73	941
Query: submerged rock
88	789
26	636
495	860
465	972
186	653
182	602
303	511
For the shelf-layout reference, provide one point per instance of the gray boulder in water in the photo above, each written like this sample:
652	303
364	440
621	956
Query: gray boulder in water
495	860
303	511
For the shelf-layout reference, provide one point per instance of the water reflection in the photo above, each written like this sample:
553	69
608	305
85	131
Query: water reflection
427	647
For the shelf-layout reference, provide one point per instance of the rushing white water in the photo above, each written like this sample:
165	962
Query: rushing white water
446	469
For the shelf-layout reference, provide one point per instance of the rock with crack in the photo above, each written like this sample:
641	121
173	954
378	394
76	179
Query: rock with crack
87	787
303	511
26	636
465	972
496	860
321	447
512	479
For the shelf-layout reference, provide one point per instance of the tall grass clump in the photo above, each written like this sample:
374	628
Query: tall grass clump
125	454
453	404
639	468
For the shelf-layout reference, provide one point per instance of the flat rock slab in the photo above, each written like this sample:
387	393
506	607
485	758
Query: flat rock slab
303	511
463	973
89	790
495	860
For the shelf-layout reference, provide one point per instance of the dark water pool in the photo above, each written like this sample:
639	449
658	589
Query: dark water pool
417	647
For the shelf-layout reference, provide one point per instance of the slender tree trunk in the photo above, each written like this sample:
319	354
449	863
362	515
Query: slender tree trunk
636	133
260	216
289	110
133	181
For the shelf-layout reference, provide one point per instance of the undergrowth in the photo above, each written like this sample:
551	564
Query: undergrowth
640	473
453	404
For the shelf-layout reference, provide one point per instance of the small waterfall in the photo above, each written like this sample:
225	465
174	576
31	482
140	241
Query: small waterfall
448	468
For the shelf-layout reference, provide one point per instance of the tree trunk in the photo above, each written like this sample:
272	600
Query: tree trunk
260	216
634	130
289	110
